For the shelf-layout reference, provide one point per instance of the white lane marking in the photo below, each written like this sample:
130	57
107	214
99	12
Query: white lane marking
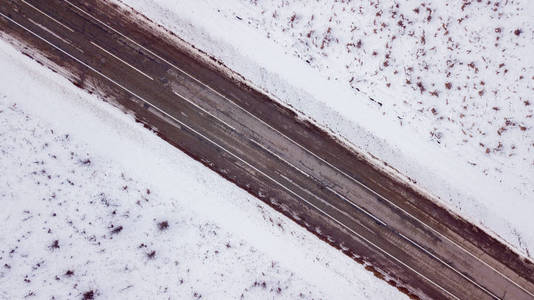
42	12
357	206
326	202
231	154
49	31
280	158
202	109
417	245
445	263
118	58
305	149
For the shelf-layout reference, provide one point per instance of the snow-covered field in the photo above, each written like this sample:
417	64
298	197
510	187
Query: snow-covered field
96	206
439	90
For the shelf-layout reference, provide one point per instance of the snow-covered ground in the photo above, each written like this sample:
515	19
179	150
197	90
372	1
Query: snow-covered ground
439	90
96	206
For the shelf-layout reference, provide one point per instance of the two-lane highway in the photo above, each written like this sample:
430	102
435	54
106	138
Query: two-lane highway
264	148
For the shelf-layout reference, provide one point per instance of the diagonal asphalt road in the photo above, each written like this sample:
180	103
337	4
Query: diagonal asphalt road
267	150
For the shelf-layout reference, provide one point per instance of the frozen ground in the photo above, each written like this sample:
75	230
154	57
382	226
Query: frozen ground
439	90
95	206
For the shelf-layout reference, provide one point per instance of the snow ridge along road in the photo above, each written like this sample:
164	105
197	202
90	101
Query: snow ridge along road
265	149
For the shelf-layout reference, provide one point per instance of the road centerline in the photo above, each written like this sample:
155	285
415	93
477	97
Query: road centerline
121	60
51	18
49	31
203	110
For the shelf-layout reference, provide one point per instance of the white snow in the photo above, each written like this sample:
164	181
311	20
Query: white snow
86	192
440	91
